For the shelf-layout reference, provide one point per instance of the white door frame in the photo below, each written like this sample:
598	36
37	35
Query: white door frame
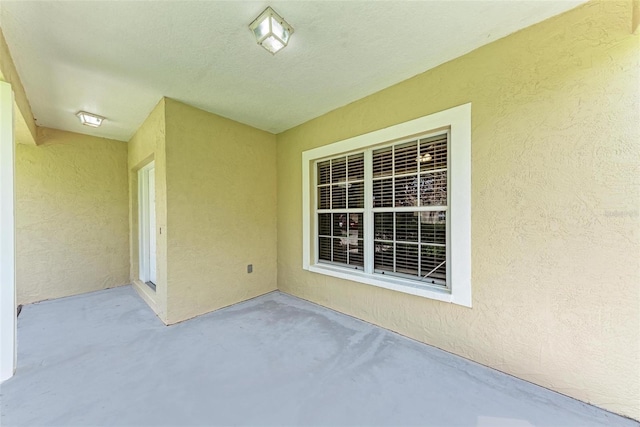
144	228
8	349
151	179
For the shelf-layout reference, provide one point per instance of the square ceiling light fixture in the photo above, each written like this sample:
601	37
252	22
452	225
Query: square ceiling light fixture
89	119
271	30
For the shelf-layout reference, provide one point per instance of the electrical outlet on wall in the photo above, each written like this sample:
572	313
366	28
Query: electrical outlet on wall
250	268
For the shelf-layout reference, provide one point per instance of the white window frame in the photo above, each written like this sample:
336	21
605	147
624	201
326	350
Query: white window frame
457	121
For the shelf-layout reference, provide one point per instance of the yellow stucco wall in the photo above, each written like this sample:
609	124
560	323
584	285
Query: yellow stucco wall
25	125
555	200
221	211
71	216
148	144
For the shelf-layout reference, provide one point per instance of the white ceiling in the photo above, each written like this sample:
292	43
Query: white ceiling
117	58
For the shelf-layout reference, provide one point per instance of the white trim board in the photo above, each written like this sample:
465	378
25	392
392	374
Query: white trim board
458	121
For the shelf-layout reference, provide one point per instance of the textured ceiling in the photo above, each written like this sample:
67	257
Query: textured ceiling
117	58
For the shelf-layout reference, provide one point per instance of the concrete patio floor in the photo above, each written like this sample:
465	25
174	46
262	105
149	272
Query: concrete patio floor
105	359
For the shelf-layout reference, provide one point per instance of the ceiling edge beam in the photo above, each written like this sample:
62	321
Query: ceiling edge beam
26	131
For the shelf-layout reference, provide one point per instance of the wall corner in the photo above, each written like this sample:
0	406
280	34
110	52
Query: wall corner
25	124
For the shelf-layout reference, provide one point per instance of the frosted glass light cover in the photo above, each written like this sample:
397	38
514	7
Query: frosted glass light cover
262	30
89	119
271	31
272	44
279	31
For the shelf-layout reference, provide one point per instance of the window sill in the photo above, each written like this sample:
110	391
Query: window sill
392	283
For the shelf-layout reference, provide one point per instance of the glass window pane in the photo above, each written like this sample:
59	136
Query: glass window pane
339	196
383	162
406	158
383	225
324	224
340	225
339	169
324	172
407	226
355	226
356	167
324	249
383	193
340	250
383	256
433	227
433	257
433	189
324	201
355	246
356	195
406	191
407	259
356	252
433	153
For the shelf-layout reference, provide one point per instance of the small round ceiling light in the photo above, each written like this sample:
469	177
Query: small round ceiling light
272	32
89	119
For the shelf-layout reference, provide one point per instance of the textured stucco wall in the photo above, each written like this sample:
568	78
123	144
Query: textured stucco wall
71	216
146	145
221	211
555	199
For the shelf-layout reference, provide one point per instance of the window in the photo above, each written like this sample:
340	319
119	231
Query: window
340	207
391	208
408	200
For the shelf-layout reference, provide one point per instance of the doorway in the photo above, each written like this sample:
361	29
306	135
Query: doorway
7	236
147	213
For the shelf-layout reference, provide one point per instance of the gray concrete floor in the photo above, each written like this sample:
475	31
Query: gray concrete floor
105	359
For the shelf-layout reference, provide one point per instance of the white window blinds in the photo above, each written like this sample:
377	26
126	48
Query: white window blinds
407	205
